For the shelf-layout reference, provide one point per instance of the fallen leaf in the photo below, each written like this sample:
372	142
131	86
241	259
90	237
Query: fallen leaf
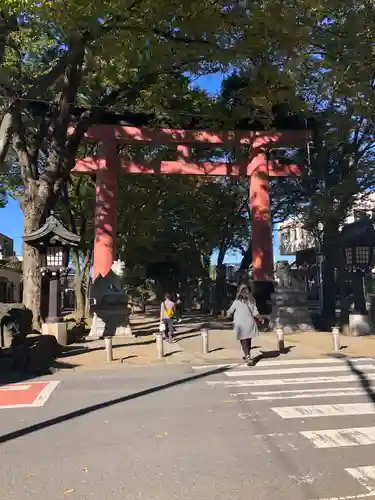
165	433
30	475
69	491
85	468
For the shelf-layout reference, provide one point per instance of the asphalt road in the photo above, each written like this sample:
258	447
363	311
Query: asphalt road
182	432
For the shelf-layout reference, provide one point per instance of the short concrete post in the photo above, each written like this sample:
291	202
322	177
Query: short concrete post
159	345
336	338
280	339
205	348
108	349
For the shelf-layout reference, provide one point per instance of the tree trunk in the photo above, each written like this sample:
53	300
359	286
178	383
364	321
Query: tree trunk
80	300
31	268
220	280
81	279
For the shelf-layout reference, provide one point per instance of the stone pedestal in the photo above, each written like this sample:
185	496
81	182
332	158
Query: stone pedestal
291	310
109	305
107	325
57	330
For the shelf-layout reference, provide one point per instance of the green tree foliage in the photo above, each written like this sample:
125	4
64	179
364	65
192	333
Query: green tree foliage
111	54
66	54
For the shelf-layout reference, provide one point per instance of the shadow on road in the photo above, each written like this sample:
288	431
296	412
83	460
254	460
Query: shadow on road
272	354
364	381
106	404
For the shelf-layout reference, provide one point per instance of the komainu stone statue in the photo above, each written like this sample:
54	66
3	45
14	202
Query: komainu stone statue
283	274
290	306
109	304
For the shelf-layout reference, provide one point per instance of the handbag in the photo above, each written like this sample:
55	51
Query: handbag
162	327
257	319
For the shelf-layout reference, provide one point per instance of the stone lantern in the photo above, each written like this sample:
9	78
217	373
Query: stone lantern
53	242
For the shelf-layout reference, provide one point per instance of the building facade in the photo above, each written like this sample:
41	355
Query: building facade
10	272
293	238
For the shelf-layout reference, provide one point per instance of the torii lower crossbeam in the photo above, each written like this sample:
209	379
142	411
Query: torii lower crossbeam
108	165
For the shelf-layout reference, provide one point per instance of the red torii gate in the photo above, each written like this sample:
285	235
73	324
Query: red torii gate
107	165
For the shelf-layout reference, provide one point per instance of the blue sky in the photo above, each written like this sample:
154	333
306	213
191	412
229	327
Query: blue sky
11	220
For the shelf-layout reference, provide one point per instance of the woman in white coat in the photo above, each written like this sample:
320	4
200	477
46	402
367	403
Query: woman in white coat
245	319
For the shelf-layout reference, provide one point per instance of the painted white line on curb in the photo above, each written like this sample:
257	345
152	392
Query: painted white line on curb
39	401
45	394
324	410
15	387
336	438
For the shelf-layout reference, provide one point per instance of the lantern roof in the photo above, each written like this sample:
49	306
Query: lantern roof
359	233
53	232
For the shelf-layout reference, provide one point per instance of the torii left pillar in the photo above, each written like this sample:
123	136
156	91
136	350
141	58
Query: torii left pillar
261	222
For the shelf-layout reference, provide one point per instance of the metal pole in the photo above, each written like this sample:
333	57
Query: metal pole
336	338
108	349
159	345
280	339
205	348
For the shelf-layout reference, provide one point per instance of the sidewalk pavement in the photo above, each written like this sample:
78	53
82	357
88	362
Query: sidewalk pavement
141	349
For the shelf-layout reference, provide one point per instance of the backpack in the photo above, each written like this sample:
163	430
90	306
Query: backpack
169	311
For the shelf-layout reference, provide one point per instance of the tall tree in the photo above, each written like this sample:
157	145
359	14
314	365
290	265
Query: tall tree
57	56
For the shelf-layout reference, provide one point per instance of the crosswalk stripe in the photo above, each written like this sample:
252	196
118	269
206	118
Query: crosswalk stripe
303	395
298	391
213	367
324	410
286	362
364	475
291	371
370	494
288	381
336	438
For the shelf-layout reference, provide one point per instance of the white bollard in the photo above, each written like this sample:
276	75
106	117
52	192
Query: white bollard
336	338
280	339
159	345
205	348
108	349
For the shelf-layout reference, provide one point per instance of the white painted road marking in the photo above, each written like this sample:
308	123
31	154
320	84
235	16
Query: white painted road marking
364	475
45	394
335	438
324	410
291	371
370	494
286	362
298	391
15	387
302	395
289	381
